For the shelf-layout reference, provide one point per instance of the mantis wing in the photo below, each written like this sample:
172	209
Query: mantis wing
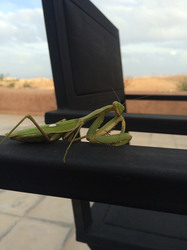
50	132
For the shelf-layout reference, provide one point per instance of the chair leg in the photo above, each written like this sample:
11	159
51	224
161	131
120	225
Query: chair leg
95	248
82	218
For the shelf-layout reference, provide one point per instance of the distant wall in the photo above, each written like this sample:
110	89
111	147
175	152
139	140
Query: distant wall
157	107
37	101
27	101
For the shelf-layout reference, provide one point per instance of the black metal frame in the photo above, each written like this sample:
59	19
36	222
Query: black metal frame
132	181
91	226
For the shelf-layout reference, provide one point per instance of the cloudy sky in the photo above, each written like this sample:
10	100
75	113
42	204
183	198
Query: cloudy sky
153	35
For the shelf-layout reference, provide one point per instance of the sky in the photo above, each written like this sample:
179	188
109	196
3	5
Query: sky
153	37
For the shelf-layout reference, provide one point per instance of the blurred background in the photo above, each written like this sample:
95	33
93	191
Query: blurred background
153	49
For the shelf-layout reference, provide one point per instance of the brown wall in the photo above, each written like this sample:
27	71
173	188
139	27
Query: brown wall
157	107
37	101
27	101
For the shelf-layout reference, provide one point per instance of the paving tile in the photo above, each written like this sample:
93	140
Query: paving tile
162	140
29	234
181	141
7	222
17	203
54	209
72	244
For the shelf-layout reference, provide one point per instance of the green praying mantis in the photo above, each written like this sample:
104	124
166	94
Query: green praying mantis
69	129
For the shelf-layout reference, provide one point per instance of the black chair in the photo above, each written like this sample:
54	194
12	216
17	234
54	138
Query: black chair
139	192
89	59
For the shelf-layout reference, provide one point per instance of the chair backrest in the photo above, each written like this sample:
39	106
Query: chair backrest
85	55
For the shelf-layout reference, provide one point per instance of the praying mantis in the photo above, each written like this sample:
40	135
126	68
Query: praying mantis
69	129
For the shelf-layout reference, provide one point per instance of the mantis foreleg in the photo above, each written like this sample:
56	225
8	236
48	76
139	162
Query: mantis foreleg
100	135
95	125
94	129
110	125
113	140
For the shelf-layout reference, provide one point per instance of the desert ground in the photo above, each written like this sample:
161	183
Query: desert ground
153	84
36	96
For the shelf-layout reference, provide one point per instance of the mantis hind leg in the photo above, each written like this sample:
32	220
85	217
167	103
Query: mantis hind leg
73	139
22	120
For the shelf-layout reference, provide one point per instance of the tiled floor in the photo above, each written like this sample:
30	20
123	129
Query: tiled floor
29	221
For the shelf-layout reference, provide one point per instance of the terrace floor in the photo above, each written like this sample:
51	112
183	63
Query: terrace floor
30	221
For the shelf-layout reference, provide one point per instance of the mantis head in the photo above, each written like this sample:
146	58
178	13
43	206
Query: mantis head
118	108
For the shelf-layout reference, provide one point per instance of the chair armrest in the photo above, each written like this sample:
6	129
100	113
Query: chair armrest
134	176
162	97
168	124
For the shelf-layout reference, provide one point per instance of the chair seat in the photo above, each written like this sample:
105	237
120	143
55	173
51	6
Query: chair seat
130	228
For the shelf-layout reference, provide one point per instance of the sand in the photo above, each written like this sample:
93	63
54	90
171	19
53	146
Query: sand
155	84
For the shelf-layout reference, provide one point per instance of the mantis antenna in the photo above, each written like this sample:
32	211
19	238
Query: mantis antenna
116	95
